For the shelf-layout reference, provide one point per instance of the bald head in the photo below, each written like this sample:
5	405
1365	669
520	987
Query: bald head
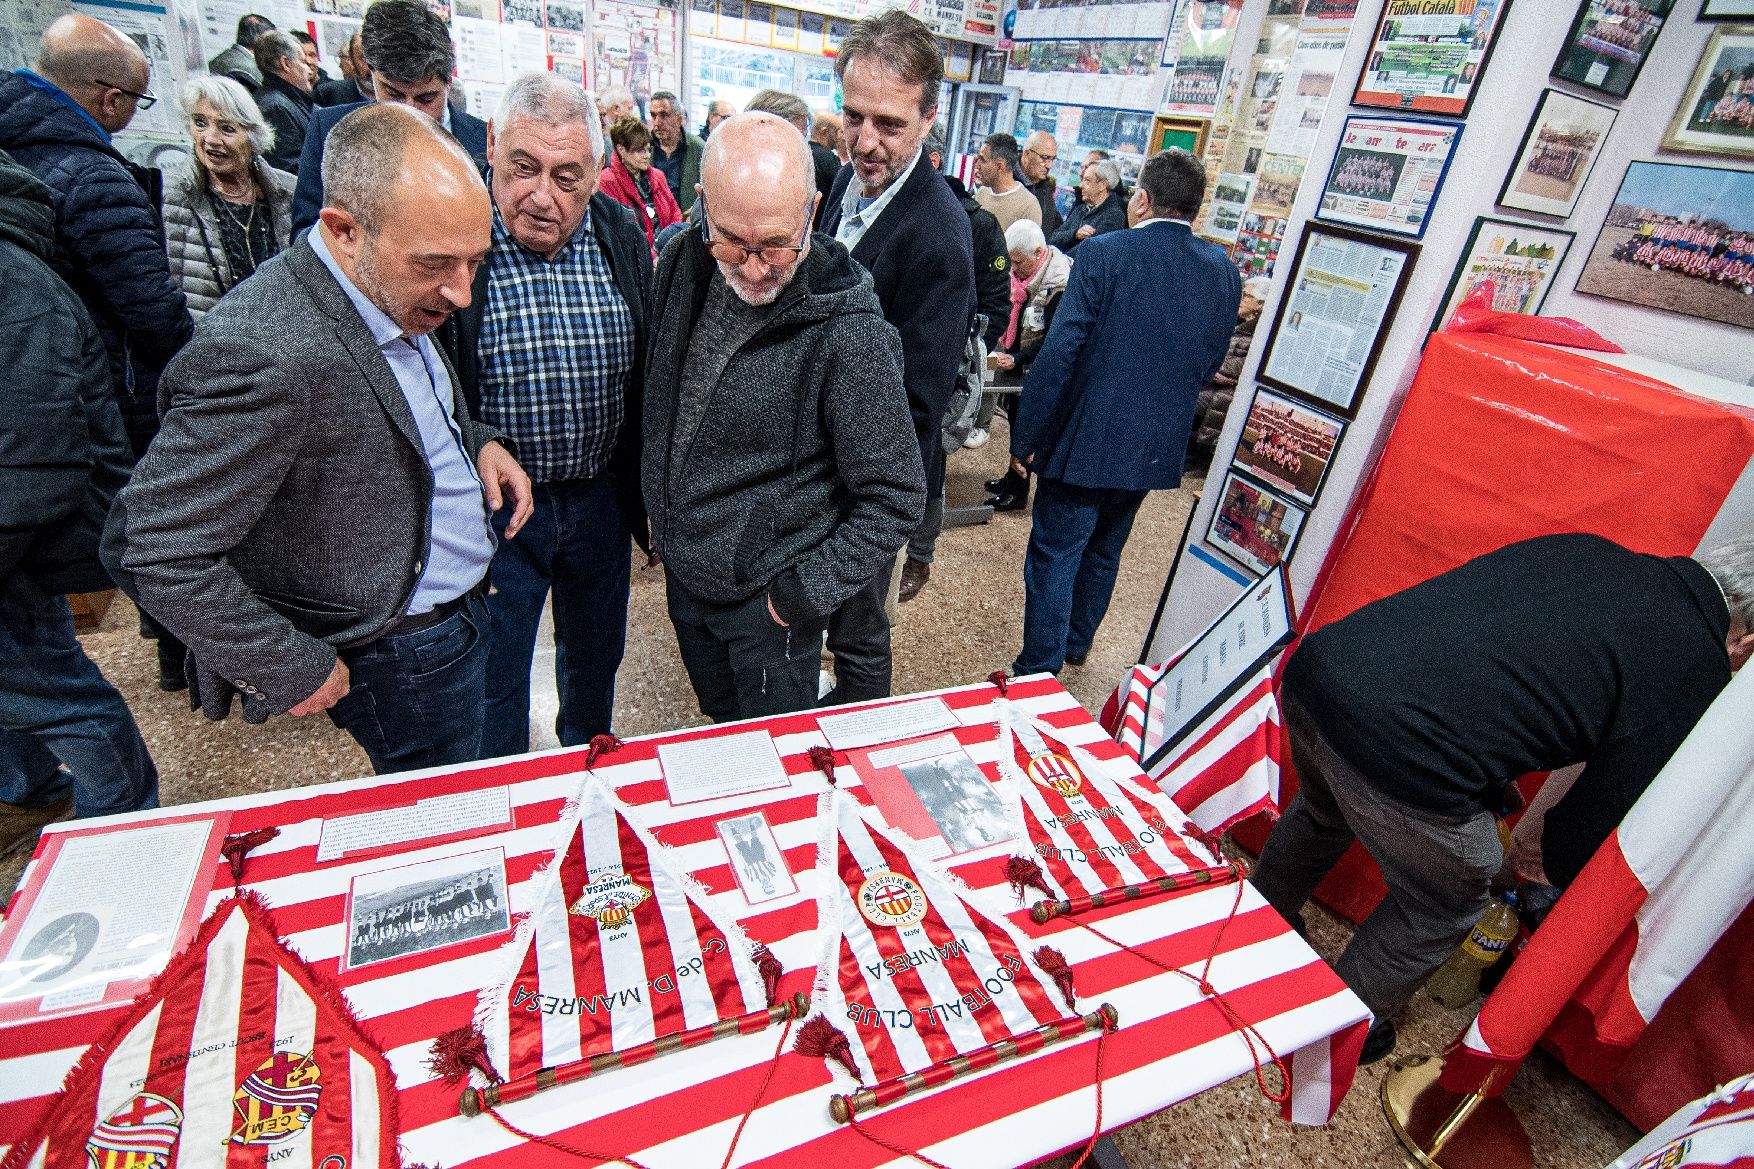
759	187
758	151
96	66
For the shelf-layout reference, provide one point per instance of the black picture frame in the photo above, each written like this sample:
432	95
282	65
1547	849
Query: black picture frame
1251	562
1407	249
1744	10
1440	104
1572	67
1277	478
1448	304
1517	165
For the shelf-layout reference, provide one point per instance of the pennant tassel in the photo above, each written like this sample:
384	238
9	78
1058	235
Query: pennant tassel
822	759
820	1039
1045	911
458	1052
771	972
1054	965
601	745
238	846
1022	873
1000	679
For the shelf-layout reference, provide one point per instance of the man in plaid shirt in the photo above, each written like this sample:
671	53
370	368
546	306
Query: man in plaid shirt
549	350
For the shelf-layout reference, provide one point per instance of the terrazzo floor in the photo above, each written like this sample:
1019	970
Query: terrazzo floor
965	624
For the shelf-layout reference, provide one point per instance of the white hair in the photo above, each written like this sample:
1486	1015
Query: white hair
1732	566
617	95
232	102
1025	238
550	101
1258	286
1108	172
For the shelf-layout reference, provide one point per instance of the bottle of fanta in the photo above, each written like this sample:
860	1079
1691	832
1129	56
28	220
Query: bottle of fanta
1457	981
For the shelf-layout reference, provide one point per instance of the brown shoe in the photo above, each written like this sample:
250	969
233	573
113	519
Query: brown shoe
20	826
914	575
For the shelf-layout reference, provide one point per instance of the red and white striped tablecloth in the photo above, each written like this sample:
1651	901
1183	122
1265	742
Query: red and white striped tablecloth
680	1111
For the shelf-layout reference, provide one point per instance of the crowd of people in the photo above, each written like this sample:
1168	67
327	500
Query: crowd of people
1703	251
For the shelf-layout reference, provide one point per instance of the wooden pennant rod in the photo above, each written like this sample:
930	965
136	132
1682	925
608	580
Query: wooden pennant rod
1045	911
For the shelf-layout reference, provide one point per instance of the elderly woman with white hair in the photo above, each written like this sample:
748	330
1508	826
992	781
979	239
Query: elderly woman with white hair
225	211
1216	395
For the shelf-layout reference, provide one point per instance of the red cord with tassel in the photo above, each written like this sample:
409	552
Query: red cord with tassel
1000	679
771	972
601	745
1024	873
238	846
1054	965
460	1051
820	1039
822	759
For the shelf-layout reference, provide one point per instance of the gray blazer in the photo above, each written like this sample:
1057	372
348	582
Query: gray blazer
283	509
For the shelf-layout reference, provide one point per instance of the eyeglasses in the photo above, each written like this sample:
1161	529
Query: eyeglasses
147	100
735	254
1039	154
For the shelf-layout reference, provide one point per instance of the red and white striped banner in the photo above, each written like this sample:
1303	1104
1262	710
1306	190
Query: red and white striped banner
1715	1131
236	1056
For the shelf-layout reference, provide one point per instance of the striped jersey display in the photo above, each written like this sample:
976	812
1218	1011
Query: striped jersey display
237	1056
911	969
619	949
1090	833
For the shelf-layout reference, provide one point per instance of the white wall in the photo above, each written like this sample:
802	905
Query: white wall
1527	45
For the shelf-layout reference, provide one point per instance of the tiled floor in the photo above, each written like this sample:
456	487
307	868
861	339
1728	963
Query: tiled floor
964	625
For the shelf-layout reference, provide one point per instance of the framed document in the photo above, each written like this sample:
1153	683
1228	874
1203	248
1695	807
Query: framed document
1521	260
1328	331
1716	115
1559	149
1428	55
1609	42
1287	445
1257	625
1387	172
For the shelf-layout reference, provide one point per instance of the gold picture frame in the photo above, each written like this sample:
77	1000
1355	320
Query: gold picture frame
1169	130
1727	53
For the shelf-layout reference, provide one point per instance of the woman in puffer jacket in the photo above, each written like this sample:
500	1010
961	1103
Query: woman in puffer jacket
226	210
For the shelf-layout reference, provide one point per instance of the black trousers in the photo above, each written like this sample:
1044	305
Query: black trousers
741	662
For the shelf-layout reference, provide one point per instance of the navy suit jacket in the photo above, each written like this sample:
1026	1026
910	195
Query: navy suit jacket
1145	320
307	199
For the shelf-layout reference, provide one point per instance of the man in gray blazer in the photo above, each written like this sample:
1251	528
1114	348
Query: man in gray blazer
312	520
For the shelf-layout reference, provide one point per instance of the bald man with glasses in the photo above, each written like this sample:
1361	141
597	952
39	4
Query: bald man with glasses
1037	164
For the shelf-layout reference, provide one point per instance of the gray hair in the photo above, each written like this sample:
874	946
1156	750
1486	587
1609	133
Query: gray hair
406	42
666	95
548	100
363	156
617	95
787	106
936	141
1108	172
903	45
1025	237
1732	566
271	48
232	102
1258	286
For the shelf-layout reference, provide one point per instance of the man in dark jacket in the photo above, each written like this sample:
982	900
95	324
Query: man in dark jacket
408	48
676	150
285	97
1410	718
1101	206
238	59
900	220
109	245
548	351
66	456
1037	164
780	470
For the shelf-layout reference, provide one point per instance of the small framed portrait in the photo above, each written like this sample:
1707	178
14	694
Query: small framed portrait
1254	526
1609	42
1288	445
1520	259
1559	150
1716	114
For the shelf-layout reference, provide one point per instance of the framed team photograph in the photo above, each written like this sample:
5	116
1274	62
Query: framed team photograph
418	908
1716	114
1328	329
1288	445
1609	42
1727	10
755	856
1428	58
1678	238
1558	151
1387	172
1520	259
1254	526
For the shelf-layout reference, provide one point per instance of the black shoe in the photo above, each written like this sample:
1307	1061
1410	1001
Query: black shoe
170	666
1008	501
994	486
1073	659
1379	1041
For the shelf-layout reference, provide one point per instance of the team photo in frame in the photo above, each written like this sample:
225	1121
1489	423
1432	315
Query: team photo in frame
1428	56
1522	260
1387	173
1558	151
1288	445
1716	114
1253	525
1609	42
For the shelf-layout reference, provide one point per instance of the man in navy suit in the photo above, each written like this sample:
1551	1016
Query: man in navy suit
1108	405
409	51
902	222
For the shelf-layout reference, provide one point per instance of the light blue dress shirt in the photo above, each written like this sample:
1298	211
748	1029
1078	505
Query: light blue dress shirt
460	542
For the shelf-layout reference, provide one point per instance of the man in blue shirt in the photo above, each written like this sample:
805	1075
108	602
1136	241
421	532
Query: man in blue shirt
548	351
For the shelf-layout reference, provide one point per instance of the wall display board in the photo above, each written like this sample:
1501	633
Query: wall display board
1287	445
1387	173
1111	72
1344	288
1678	238
1253	526
1716	114
1053	19
1230	200
1309	82
1521	260
1558	151
1428	55
1197	50
1608	43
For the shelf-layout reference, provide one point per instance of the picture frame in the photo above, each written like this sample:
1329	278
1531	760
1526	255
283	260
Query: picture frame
1678	237
1558	151
1430	63
1706	120
1318	367
1606	47
1387	172
1726	10
1254	525
1288	445
1522	260
1188	133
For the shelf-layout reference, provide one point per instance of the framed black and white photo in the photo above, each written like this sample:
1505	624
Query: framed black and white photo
1387	173
417	908
1520	259
1716	114
1254	526
1609	42
1558	151
1345	286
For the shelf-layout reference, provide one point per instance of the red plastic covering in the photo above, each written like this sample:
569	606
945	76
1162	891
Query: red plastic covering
1476	315
1502	439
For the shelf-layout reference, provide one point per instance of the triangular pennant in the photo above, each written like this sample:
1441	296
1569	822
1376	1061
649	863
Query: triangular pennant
911	968
620	950
238	1055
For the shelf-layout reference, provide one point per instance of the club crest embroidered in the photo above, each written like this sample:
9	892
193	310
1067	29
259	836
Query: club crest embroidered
611	898
139	1135
1057	772
278	1099
890	899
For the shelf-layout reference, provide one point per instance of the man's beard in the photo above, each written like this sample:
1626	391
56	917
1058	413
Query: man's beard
757	295
370	282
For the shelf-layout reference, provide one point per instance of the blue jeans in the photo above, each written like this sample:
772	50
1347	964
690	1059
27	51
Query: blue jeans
1069	572
55	708
576	545
416	700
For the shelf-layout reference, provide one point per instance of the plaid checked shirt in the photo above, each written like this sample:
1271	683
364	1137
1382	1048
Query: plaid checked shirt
556	352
